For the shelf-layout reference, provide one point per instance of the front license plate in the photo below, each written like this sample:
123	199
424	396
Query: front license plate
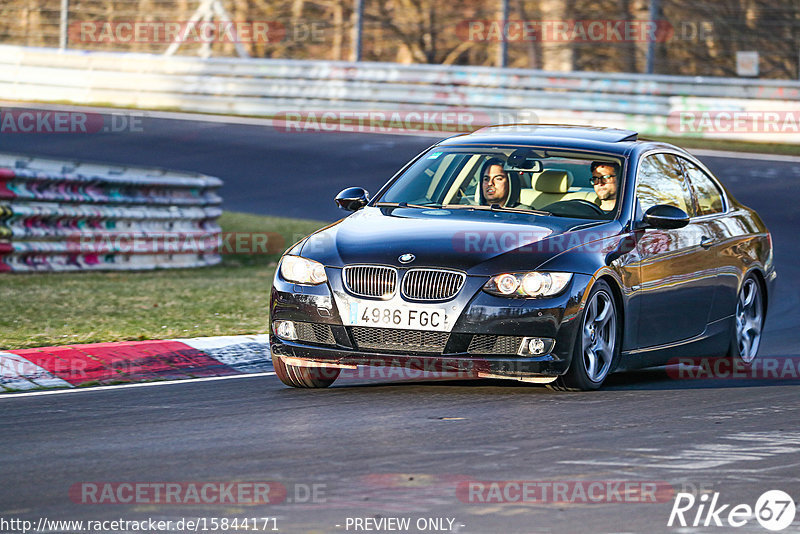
397	316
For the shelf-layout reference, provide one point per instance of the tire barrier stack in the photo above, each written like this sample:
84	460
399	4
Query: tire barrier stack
77	216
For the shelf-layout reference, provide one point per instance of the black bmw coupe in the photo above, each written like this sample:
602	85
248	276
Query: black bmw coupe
546	254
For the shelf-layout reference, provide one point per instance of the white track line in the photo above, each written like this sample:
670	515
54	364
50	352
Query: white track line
197	117
126	386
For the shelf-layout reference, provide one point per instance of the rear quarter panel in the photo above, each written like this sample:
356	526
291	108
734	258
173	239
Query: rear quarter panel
743	247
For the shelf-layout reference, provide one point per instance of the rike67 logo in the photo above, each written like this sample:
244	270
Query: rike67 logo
774	510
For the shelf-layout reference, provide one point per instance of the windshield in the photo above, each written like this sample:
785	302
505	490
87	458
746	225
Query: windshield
558	182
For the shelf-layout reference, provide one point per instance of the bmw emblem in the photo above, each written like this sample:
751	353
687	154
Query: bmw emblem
406	258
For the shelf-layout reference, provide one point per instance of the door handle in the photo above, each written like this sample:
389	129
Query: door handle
706	242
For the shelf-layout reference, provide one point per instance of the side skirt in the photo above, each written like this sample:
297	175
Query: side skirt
713	341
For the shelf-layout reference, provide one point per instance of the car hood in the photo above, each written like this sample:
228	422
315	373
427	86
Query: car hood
459	239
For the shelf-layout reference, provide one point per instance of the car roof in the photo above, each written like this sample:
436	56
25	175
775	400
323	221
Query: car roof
550	135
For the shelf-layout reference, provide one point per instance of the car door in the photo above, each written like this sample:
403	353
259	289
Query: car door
723	234
677	271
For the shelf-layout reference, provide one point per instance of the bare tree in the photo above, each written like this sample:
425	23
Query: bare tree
706	34
557	55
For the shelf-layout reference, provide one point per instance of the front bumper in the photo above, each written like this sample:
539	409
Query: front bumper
481	314
540	369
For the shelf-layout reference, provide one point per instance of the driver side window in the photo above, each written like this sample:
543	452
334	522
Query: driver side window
661	182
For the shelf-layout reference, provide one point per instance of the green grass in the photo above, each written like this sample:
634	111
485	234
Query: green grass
42	309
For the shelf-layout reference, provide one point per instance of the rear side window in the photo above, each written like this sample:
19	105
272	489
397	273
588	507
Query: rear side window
661	182
709	197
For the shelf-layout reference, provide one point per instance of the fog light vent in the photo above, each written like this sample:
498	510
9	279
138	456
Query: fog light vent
492	344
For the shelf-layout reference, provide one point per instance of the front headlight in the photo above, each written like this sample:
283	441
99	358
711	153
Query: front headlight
533	284
302	271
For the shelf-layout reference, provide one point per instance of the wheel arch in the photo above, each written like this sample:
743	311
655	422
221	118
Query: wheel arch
761	279
616	293
613	281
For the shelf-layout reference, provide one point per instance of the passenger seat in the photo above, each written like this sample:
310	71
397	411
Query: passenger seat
550	186
554	185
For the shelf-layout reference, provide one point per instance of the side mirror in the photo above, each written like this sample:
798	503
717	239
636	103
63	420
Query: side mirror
666	217
352	198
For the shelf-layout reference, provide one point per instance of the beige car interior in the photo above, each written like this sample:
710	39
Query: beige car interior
554	185
709	204
546	187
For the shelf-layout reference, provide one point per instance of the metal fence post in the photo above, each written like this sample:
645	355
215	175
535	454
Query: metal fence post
63	25
358	29
651	43
502	53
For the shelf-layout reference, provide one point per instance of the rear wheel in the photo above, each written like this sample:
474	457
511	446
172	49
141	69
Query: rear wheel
304	377
749	322
596	344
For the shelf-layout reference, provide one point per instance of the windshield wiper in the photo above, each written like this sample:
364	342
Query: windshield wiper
495	207
405	205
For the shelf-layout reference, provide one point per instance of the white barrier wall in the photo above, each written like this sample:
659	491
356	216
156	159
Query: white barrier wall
650	104
75	216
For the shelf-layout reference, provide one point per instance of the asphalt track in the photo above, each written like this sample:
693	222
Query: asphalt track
384	448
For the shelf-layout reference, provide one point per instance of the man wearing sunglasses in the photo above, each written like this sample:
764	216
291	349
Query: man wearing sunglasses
604	180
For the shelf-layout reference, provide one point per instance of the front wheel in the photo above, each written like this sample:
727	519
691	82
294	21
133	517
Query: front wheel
597	343
304	377
749	322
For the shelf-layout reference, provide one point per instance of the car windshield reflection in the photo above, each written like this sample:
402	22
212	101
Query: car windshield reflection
510	178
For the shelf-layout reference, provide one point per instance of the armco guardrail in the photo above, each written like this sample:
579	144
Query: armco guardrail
77	216
649	103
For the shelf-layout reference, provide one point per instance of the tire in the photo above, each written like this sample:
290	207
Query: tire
597	343
748	322
304	377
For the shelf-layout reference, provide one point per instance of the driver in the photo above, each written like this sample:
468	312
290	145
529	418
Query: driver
497	185
604	180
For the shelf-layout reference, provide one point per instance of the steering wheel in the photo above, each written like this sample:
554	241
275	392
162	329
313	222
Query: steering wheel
574	203
464	198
